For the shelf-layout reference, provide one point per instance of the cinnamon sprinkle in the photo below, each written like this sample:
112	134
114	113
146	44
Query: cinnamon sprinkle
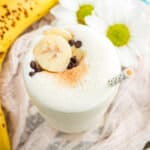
72	77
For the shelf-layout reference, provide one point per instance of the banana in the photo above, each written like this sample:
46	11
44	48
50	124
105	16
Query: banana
64	33
4	139
16	16
53	53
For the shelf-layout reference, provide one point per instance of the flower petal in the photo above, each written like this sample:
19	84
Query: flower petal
81	2
114	12
103	10
70	4
139	46
126	57
96	23
139	27
64	15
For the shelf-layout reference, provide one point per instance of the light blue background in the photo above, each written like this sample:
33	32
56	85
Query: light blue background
146	1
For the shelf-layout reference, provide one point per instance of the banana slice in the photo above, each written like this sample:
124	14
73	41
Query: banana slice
62	32
53	53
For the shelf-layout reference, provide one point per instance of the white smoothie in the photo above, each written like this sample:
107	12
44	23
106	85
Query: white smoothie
73	100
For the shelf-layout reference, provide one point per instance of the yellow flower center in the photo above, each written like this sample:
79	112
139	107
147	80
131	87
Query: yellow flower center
118	34
84	11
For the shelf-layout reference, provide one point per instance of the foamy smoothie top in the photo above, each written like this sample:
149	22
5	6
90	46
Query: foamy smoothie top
68	69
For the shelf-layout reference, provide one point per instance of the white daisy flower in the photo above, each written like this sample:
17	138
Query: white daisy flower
73	11
124	25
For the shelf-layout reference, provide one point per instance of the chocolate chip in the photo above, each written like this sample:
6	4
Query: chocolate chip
71	42
78	44
31	74
73	63
33	64
38	68
74	59
147	145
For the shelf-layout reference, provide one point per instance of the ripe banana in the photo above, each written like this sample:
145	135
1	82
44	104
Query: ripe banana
53	53
16	16
4	139
62	32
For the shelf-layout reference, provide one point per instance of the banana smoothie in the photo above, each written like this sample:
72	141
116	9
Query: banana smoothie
66	71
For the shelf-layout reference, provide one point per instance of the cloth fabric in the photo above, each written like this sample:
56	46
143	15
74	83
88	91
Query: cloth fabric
127	126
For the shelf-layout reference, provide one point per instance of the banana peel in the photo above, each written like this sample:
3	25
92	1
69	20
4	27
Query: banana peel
4	139
16	16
